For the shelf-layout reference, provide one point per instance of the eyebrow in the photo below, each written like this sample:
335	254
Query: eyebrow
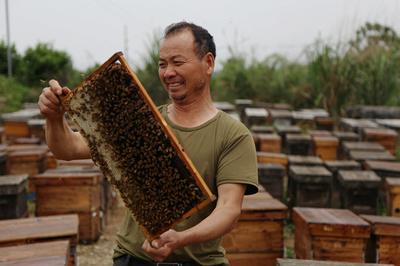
172	57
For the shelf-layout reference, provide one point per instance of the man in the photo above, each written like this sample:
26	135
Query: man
220	147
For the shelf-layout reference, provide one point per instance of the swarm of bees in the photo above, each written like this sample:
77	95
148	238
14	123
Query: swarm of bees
132	150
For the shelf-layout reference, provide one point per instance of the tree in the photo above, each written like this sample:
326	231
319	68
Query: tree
16	59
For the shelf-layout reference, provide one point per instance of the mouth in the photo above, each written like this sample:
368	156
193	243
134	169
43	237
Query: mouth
176	84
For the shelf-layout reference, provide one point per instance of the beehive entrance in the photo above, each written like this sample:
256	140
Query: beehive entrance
138	154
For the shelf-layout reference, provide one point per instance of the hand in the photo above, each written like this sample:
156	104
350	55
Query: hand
49	104
161	247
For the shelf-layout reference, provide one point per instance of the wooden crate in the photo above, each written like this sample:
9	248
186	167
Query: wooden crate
362	156
283	130
71	192
16	123
330	234
262	129
359	190
384	244
255	116
279	117
268	157
384	136
298	144
270	143
383	168
294	262
13	202
334	166
2	135
356	125
304	160
325	147
271	177
392	185
3	163
309	186
258	237
55	253
324	123
19	232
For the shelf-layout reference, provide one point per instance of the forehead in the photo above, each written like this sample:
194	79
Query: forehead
180	43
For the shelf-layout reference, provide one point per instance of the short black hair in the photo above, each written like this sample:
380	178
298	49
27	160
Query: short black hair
204	41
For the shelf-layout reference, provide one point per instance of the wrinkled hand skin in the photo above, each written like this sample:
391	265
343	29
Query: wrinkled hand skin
49	101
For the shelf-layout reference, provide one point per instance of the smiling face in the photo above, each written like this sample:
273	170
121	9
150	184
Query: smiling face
183	74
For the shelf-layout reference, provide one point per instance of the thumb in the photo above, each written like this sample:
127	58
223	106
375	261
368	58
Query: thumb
155	244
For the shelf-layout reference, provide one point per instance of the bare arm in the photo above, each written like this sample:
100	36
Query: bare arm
62	141
220	222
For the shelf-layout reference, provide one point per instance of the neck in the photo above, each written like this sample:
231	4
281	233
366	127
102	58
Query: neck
192	114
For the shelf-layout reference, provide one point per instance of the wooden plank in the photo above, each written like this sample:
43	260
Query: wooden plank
254	259
331	222
383	225
50	253
299	262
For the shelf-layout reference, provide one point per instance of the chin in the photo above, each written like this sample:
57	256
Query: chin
177	97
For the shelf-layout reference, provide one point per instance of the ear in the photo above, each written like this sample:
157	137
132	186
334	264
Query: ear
210	63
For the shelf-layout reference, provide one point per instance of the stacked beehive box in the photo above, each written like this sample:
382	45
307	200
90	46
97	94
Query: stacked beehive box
13	196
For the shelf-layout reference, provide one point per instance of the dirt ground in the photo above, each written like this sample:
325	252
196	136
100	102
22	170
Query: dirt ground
100	252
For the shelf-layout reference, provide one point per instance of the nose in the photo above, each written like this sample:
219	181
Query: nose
169	71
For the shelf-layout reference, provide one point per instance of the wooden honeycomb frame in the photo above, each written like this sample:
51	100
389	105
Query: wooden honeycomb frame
159	190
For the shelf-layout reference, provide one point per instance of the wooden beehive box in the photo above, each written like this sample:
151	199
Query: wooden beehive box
297	262
13	196
262	129
255	116
271	177
303	119
344	136
30	161
283	130
16	124
364	146
356	125
325	147
37	128
304	160
3	163
383	168
241	105
384	136
362	156
324	123
71	192
258	237
20	232
384	245
279	117
2	135
56	253
392	185
334	166
309	186
270	143
359	190
298	144
330	235
135	149
269	157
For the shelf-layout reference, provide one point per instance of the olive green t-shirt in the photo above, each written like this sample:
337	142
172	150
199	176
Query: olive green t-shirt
223	151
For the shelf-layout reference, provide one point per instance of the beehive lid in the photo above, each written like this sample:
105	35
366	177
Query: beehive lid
291	138
383	225
335	165
22	115
331	222
22	230
3	156
262	206
301	115
359	179
326	140
314	174
276	113
272	136
362	146
13	184
319	133
358	123
304	160
346	135
224	106
26	156
256	112
393	167
379	132
371	155
262	129
287	129
244	102
51	178
25	147
393	183
135	149
298	262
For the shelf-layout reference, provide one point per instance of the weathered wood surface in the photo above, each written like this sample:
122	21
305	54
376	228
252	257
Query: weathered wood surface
270	143
40	254
262	129
307	174
348	146
361	156
383	168
269	157
359	179
335	165
298	144
304	160
256	258
298	262
270	176
392	186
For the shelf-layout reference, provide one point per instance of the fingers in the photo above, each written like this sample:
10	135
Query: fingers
55	87
49	102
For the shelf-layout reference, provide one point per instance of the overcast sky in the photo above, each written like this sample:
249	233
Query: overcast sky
91	31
